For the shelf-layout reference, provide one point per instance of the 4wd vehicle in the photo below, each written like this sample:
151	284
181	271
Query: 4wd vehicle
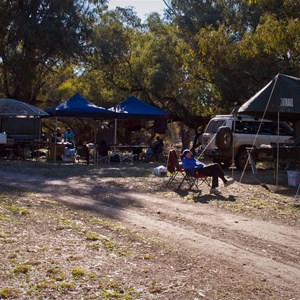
228	136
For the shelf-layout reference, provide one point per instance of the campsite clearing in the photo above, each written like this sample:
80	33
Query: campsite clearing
84	232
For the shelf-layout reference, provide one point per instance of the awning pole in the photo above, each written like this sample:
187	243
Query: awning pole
277	156
54	158
115	135
39	140
95	141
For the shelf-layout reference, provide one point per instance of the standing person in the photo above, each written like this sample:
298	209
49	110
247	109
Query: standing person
57	136
68	133
214	170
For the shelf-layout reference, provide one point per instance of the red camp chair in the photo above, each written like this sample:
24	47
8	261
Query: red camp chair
173	166
194	180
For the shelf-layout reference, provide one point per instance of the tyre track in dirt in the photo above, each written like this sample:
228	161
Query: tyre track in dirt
240	240
260	237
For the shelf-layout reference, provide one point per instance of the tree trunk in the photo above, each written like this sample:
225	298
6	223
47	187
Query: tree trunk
186	135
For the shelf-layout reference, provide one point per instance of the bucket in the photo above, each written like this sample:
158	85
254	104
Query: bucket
293	178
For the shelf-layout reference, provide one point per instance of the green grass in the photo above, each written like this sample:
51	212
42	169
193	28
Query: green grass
92	236
22	269
15	209
78	272
9	293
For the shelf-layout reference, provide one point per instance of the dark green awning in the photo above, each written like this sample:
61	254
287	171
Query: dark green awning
280	96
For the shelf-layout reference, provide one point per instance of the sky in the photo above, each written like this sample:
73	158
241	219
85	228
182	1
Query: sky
142	7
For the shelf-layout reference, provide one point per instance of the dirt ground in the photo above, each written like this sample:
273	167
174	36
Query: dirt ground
76	231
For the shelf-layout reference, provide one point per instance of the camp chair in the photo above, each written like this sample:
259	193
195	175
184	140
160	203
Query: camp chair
194	180
173	166
69	155
102	159
82	153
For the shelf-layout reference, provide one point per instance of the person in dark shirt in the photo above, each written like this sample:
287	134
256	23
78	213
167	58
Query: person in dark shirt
103	148
156	149
137	150
83	150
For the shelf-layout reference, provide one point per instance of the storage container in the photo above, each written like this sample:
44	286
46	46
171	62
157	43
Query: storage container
293	177
3	138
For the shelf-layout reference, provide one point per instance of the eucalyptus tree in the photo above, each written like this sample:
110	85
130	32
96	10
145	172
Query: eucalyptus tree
108	67
231	41
37	36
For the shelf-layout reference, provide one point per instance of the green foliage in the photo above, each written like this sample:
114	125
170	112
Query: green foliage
37	36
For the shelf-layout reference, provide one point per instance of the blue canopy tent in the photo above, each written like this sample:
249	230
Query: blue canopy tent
79	107
135	109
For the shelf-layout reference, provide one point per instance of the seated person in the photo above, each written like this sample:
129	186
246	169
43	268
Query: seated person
70	148
156	149
214	170
83	150
137	150
70	143
103	148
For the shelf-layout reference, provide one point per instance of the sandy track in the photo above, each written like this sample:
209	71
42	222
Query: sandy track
265	250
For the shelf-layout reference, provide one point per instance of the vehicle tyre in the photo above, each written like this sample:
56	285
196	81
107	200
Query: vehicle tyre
241	159
224	138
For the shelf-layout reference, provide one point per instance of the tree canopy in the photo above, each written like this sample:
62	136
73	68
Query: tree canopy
202	58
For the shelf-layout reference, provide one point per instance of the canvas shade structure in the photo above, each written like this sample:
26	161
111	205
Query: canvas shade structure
135	109
16	108
20	120
280	97
79	107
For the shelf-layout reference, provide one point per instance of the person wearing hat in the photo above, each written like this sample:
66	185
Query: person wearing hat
214	170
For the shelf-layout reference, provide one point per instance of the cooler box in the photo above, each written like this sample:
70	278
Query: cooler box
3	138
293	178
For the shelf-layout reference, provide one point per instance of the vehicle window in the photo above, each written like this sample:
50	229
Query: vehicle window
246	127
266	128
214	125
284	129
271	128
